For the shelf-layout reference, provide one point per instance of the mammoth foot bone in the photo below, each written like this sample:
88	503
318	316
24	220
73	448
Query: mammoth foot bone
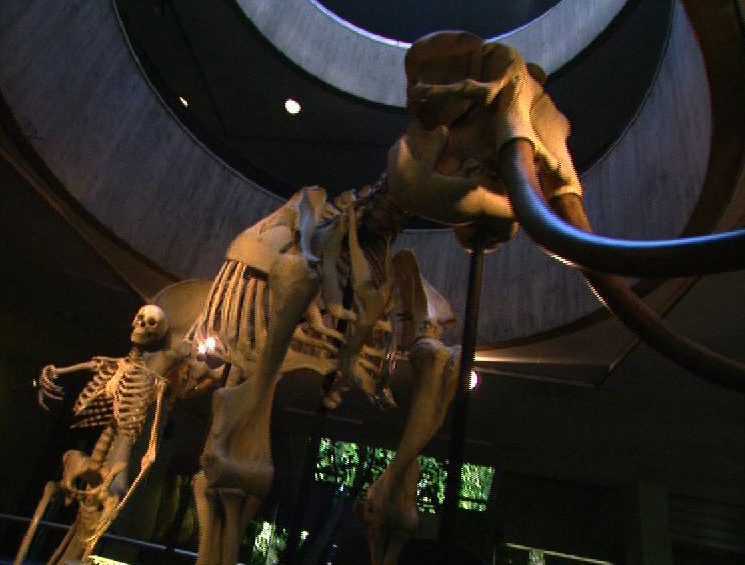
390	515
223	514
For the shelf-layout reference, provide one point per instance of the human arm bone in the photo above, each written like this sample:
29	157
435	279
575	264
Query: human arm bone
152	447
47	382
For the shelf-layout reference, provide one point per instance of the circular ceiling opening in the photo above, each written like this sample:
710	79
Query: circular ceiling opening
408	20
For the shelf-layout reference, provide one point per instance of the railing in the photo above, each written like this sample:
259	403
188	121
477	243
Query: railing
107	537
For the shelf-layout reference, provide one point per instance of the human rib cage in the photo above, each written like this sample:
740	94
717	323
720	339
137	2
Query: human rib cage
120	393
349	328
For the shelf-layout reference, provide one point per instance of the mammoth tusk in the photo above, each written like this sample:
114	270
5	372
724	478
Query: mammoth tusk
682	257
519	174
648	326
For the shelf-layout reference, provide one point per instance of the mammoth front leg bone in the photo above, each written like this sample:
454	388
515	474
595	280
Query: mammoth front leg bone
390	513
237	467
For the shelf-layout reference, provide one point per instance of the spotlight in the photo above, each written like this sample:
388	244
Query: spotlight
292	106
183	101
211	352
475	380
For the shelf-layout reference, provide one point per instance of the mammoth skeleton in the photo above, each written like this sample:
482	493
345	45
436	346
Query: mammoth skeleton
316	286
277	305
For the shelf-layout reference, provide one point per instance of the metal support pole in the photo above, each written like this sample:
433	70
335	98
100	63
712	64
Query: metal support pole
311	457
306	483
460	404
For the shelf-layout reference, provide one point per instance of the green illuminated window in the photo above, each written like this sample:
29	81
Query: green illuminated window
355	467
265	541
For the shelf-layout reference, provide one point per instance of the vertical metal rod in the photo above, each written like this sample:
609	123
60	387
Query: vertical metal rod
309	465
460	403
185	495
306	483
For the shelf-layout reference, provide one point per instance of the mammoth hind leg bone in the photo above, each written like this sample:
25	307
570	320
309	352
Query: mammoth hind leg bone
390	513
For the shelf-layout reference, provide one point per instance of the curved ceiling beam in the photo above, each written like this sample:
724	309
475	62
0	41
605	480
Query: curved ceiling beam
371	67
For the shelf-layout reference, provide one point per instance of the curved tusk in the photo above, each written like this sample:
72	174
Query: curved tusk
646	324
519	175
682	257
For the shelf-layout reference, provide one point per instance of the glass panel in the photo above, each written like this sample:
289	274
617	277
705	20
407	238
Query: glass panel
355	468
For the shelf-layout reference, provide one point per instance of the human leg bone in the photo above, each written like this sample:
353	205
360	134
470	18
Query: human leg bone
50	490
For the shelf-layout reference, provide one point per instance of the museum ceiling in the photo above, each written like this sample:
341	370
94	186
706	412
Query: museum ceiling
165	152
211	58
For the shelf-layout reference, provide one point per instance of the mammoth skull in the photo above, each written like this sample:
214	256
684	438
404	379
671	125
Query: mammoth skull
149	325
469	98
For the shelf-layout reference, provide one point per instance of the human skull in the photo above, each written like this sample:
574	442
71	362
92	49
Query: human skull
149	325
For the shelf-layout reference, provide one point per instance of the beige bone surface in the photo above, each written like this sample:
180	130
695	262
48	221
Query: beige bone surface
314	286
277	308
468	99
118	398
286	321
389	512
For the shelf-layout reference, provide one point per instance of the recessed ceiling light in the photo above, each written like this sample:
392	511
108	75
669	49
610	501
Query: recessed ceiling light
183	101
292	106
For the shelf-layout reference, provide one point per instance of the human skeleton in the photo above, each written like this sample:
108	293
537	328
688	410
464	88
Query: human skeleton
278	303
117	398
